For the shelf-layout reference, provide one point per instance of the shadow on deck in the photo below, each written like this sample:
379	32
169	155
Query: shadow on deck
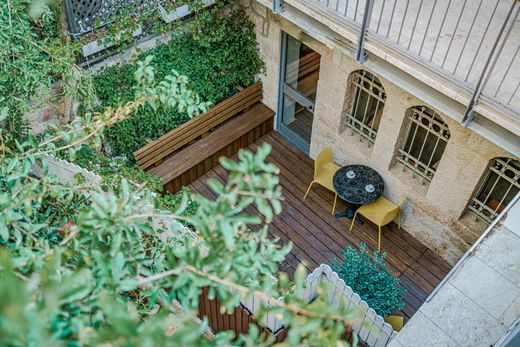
318	237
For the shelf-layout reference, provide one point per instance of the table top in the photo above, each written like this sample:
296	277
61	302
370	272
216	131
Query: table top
353	190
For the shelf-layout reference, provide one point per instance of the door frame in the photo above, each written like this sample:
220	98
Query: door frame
284	89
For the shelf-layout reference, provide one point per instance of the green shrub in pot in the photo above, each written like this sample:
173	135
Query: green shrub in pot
369	277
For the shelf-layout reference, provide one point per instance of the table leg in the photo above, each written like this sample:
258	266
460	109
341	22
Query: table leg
349	213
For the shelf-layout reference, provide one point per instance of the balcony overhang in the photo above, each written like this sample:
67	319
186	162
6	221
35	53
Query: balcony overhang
493	121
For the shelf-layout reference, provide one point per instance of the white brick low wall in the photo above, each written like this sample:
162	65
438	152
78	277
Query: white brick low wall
371	328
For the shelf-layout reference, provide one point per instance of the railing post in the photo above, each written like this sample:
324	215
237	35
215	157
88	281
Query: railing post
277	6
369	5
489	66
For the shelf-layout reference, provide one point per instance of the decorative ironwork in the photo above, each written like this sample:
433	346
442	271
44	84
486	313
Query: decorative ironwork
426	140
369	100
86	15
499	186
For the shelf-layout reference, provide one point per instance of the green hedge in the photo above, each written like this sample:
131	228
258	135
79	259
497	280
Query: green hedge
217	57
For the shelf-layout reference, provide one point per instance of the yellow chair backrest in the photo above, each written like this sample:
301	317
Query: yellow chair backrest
324	157
389	216
392	213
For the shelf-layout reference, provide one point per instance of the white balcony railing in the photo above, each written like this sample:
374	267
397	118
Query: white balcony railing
475	43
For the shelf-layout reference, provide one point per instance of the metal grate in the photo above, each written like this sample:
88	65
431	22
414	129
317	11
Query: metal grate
86	15
499	186
367	108
426	140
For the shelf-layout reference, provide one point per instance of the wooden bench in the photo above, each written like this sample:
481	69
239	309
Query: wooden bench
187	152
154	152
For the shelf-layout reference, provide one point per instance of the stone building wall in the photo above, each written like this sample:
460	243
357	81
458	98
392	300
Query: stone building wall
434	213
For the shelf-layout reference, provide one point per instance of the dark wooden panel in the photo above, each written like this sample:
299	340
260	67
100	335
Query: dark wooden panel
238	321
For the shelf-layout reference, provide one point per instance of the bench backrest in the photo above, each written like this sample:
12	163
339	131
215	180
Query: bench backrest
156	151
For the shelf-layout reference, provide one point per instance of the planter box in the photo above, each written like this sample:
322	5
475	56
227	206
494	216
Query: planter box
168	16
98	45
180	12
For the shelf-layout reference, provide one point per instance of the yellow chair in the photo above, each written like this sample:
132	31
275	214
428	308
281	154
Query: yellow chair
396	322
324	170
380	212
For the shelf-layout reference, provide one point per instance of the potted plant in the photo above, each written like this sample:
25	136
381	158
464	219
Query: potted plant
369	277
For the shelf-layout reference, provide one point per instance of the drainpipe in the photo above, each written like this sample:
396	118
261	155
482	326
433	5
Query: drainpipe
489	67
361	56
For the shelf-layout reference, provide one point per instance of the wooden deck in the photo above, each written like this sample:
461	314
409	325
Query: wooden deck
318	237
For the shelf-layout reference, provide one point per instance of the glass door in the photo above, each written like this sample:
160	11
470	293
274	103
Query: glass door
299	73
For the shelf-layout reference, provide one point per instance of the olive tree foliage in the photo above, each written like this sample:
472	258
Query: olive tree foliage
84	267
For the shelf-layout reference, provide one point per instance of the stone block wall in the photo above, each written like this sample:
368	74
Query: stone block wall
435	213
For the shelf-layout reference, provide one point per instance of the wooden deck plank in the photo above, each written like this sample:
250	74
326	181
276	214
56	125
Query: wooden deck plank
437	260
418	280
413	288
369	236
311	255
425	273
293	259
433	268
317	236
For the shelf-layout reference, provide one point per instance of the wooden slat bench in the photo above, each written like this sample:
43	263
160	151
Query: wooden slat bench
154	152
187	152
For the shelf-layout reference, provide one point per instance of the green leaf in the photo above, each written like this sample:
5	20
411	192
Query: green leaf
129	284
4	232
227	233
216	185
4	112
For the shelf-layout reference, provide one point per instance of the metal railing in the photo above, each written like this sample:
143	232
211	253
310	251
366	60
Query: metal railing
476	43
83	16
500	184
426	140
364	115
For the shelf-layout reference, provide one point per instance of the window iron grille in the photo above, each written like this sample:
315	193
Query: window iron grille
367	106
500	184
83	16
426	139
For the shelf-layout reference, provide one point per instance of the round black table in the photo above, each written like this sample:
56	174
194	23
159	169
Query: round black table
353	189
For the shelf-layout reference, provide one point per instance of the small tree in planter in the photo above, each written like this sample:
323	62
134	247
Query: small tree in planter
369	277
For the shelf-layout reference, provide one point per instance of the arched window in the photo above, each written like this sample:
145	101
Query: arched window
364	107
498	186
426	136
